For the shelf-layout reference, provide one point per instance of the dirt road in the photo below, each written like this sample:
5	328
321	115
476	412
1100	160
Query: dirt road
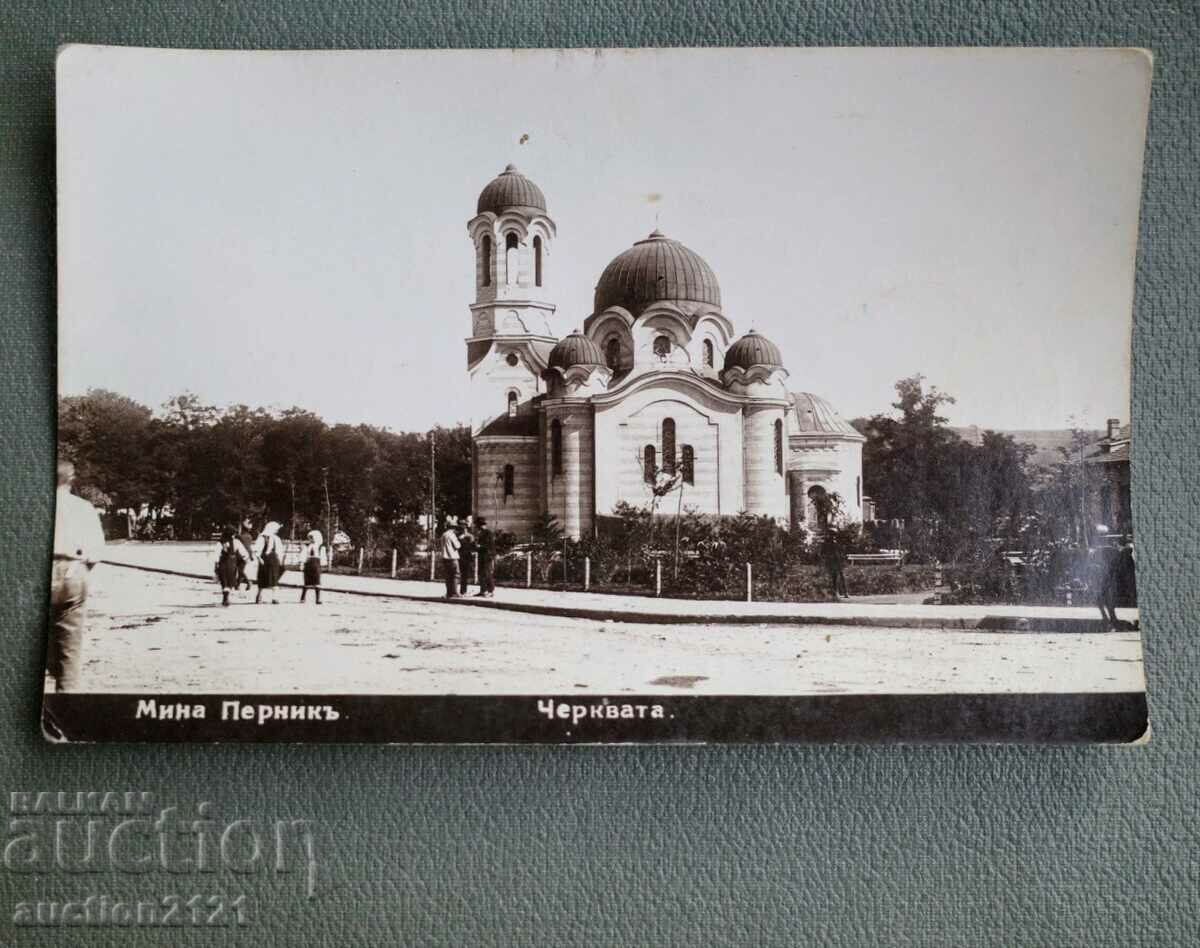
156	632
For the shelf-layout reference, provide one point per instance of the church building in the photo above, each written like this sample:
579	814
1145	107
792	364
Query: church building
657	384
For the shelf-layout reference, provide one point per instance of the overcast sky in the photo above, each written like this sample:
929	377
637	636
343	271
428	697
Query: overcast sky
286	229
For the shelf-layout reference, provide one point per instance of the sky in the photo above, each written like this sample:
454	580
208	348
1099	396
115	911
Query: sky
280	229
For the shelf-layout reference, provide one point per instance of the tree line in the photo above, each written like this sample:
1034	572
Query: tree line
947	499
938	496
202	467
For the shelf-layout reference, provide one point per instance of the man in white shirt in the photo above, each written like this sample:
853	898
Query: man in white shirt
450	547
78	547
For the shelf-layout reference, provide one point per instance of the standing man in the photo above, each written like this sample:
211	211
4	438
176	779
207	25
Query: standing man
831	553
450	546
466	554
78	547
1106	570
486	541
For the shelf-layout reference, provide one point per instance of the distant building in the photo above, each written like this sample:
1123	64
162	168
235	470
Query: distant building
1107	471
655	382
1048	443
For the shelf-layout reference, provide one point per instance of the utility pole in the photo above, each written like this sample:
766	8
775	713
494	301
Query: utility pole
432	494
1083	512
292	484
678	517
328	514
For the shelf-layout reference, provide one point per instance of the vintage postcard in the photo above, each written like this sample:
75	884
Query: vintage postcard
726	395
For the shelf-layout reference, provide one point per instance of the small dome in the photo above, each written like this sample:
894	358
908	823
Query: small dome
576	349
508	190
753	349
655	269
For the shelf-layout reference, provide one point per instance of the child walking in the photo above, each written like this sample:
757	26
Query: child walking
312	565
269	552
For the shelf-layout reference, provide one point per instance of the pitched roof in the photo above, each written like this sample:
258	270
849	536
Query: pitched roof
813	415
522	426
1114	455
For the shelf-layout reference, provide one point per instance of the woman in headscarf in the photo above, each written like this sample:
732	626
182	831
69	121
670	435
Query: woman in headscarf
312	565
268	550
231	561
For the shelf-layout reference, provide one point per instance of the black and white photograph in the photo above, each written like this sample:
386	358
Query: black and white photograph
596	396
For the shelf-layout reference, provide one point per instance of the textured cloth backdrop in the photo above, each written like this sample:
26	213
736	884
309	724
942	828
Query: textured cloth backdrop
649	846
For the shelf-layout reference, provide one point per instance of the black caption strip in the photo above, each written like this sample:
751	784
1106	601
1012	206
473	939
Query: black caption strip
1119	717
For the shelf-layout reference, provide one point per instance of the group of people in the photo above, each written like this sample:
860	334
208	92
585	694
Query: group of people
240	551
461	541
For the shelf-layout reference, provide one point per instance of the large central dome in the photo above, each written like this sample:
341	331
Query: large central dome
655	269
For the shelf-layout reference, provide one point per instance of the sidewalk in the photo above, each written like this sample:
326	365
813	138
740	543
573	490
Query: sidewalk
191	561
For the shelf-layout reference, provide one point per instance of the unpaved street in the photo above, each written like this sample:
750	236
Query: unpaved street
151	632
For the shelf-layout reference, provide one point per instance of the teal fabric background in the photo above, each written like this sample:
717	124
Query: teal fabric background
651	846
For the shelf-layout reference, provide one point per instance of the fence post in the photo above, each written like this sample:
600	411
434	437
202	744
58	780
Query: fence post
658	575
528	568
361	551
749	583
432	565
475	557
393	562
937	583
564	561
587	573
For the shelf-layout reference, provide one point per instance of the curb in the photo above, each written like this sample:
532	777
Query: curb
996	623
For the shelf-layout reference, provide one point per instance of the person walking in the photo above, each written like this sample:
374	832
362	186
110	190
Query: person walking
831	554
466	554
246	538
450	548
78	547
230	564
268	550
312	565
486	541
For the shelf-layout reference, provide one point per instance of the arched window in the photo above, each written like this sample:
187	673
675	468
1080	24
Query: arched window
648	464
668	443
612	354
820	505
709	355
662	347
687	463
537	261
510	476
778	446
511	262
556	454
512	404
487	260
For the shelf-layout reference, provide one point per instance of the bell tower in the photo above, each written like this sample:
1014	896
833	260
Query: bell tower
511	318
509	347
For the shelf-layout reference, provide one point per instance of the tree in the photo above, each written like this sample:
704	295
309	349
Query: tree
453	469
293	454
907	460
954	498
107	437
